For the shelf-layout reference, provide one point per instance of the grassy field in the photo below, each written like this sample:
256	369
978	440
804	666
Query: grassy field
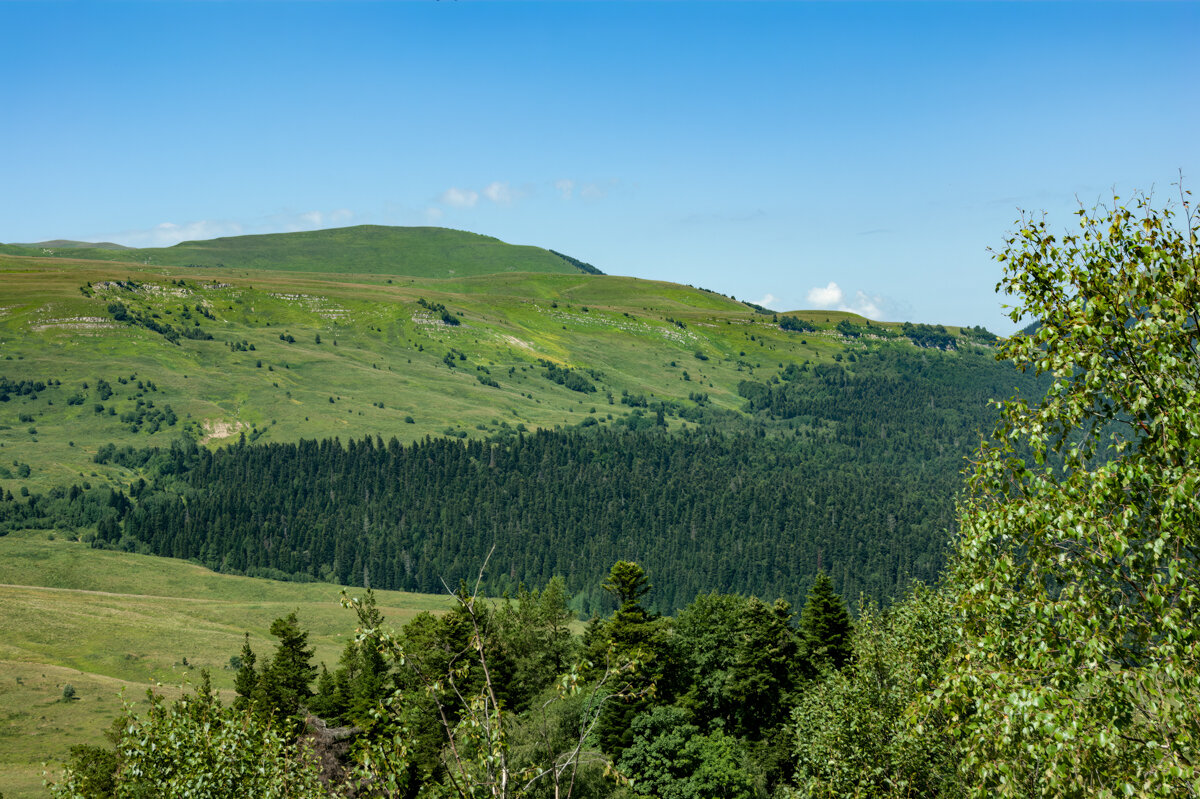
304	355
114	624
363	249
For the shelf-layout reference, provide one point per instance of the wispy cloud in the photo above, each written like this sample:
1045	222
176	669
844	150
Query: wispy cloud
569	189
864	305
593	191
505	193
767	300
459	198
166	234
500	193
724	218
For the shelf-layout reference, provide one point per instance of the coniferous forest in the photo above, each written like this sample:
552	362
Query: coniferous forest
849	468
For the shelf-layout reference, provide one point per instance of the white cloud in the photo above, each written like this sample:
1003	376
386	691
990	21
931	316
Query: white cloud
459	198
569	189
434	214
865	305
833	298
499	193
828	297
308	220
767	300
166	234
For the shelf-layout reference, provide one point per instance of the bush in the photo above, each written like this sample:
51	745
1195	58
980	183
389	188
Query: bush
795	324
196	747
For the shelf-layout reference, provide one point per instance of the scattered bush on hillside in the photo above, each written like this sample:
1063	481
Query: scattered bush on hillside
567	377
20	388
795	324
437	308
930	336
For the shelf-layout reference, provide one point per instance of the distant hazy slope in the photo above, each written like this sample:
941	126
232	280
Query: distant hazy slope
364	249
67	244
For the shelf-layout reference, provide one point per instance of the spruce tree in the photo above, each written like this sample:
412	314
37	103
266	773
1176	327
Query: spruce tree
284	682
246	681
627	581
825	624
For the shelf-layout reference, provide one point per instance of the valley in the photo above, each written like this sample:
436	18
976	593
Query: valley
567	418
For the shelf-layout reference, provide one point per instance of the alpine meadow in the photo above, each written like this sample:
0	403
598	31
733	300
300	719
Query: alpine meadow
666	493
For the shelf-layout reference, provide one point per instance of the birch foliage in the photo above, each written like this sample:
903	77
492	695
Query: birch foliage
1076	571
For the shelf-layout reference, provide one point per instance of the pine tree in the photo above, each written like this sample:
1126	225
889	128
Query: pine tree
285	680
631	633
246	681
627	581
825	624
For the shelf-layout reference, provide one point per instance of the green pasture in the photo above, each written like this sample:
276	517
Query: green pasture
114	624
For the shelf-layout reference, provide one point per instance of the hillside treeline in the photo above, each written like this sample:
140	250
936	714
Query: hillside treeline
851	469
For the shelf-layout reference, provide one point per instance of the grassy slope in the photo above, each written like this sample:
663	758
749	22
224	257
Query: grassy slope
387	364
106	621
364	249
68	244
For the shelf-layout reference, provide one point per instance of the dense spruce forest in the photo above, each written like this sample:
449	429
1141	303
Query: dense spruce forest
849	467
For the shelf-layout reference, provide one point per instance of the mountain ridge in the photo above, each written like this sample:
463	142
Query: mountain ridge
424	251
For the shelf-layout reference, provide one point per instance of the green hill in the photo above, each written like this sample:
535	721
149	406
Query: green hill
429	252
104	357
385	355
98	352
68	244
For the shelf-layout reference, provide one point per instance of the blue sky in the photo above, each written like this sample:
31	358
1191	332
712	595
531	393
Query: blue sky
802	155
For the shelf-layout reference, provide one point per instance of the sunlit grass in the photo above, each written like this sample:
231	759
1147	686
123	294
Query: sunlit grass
107	622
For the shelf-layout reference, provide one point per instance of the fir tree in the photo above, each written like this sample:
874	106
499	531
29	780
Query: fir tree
284	681
246	681
825	624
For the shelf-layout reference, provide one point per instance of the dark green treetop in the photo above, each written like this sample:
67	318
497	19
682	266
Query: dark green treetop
627	581
825	623
246	680
283	683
